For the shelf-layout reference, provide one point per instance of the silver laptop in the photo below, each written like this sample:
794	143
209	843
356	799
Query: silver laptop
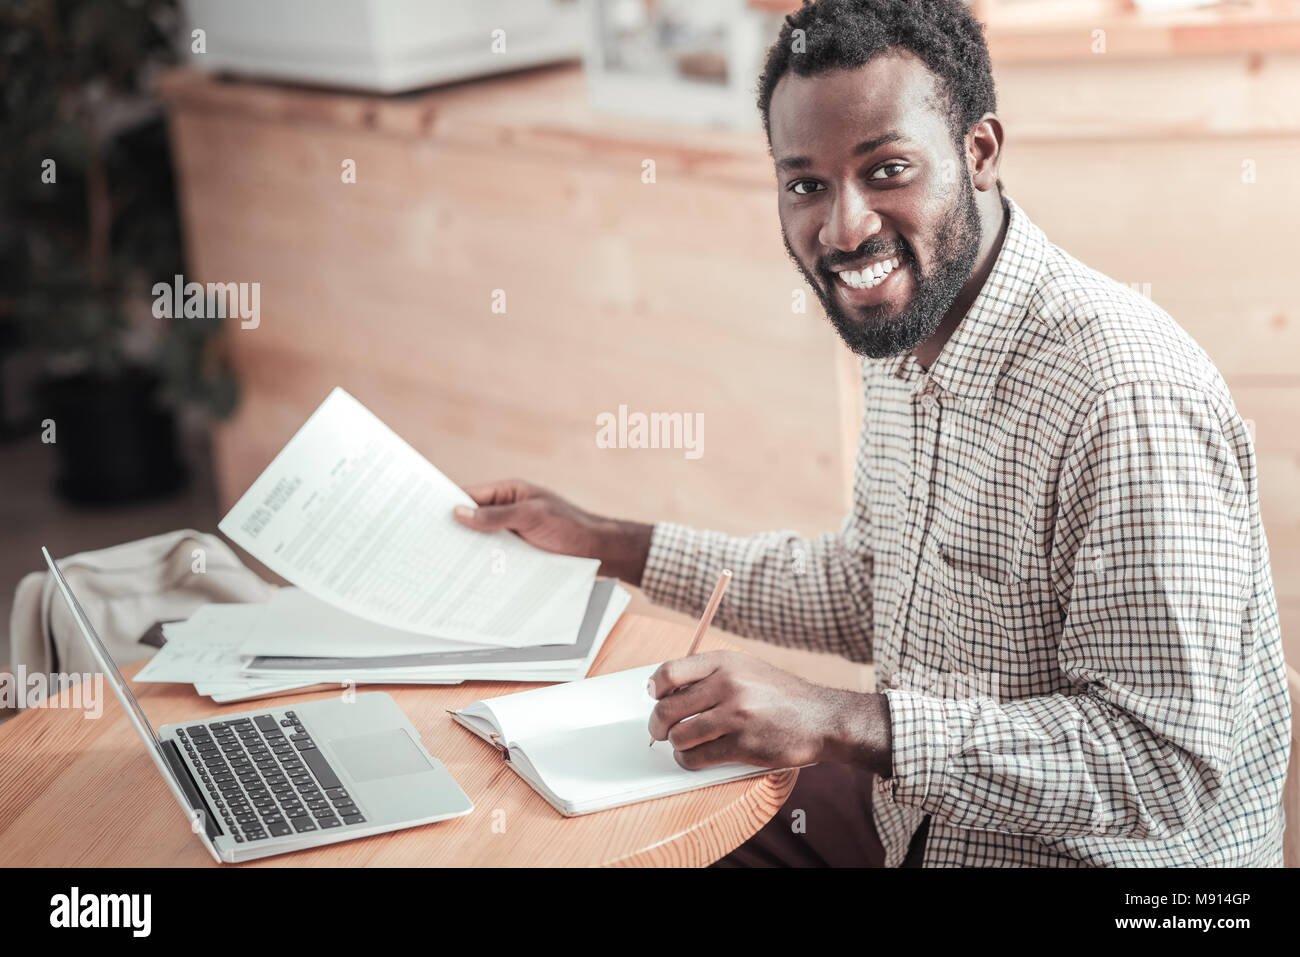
287	778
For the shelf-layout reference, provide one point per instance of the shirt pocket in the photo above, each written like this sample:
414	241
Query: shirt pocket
1001	634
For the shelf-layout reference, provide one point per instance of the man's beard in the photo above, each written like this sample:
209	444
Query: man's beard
876	333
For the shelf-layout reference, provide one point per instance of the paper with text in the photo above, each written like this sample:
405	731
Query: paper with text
352	514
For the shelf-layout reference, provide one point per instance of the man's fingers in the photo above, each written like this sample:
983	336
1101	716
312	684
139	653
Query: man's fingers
505	492
671	675
487	518
699	728
680	705
718	751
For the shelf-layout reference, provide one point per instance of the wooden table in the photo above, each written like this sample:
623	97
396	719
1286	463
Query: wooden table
80	792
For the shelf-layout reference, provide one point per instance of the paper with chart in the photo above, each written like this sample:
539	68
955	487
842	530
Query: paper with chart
352	514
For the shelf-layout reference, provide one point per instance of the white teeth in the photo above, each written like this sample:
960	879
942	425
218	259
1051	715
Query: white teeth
871	276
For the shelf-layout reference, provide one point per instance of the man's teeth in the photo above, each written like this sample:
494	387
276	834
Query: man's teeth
871	276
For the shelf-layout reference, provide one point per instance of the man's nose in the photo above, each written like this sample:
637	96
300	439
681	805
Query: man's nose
851	221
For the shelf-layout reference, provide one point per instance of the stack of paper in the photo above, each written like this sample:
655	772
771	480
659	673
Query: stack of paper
204	651
279	654
390	588
218	649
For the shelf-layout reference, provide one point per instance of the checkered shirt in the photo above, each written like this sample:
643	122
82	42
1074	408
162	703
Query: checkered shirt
1056	561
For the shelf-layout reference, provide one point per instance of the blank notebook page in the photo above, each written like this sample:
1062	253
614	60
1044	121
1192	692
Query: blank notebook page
589	740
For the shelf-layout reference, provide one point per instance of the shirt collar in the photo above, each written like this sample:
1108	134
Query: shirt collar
971	359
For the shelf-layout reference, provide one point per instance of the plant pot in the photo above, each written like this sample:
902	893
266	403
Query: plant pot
114	442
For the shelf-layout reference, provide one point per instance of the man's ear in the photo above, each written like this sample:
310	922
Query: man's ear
984	152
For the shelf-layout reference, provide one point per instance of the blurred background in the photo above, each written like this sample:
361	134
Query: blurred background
493	220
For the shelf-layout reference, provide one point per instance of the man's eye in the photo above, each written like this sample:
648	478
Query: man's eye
882	174
802	187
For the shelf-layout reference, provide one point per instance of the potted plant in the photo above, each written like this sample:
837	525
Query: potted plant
89	222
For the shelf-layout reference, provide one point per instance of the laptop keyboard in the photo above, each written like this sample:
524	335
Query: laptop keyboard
267	779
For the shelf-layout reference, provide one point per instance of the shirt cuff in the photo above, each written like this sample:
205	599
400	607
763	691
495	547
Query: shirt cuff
919	728
672	567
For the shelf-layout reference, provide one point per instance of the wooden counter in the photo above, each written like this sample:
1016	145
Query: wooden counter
1179	174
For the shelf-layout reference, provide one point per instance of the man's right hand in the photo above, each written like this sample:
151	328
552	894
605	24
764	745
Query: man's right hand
545	520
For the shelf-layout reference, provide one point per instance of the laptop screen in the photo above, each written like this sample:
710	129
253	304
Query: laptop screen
105	659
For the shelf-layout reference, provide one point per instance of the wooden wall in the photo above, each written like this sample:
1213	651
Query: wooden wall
676	295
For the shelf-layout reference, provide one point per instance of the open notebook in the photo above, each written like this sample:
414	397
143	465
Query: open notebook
584	745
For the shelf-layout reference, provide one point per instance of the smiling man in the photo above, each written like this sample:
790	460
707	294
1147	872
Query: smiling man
1054	557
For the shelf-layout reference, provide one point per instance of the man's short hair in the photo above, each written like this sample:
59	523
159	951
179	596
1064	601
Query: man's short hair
848	34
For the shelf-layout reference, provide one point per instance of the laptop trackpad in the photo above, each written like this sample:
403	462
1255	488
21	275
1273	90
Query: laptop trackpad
385	754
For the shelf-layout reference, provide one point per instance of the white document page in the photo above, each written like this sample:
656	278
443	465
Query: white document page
298	624
352	514
204	647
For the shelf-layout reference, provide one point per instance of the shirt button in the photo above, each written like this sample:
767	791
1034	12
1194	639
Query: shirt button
928	402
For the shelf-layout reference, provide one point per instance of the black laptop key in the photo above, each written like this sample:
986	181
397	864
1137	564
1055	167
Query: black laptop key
301	824
298	812
279	830
353	819
265	722
305	746
336	792
330	822
321	768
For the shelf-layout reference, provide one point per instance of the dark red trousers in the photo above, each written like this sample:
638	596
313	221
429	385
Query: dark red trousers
835	827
